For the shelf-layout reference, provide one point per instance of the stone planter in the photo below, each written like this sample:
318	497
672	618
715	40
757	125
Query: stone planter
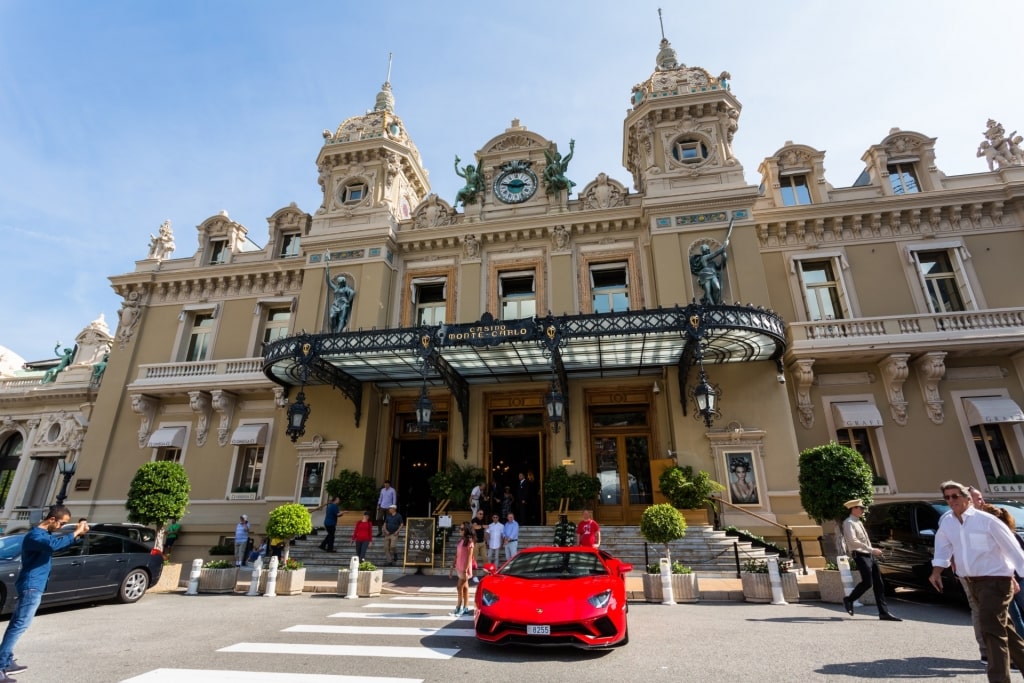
694	515
289	583
218	580
758	587
831	588
170	578
685	588
368	584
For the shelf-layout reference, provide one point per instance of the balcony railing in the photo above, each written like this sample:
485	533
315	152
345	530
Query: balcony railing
1003	322
232	371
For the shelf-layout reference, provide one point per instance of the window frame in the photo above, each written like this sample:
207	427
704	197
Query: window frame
186	325
786	181
501	270
239	454
589	259
290	244
261	318
968	285
880	448
684	144
844	292
156	454
896	169
409	294
1012	432
218	251
349	188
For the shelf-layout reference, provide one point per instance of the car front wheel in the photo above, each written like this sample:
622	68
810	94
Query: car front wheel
133	586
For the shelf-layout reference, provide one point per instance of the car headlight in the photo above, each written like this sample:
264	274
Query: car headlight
487	598
601	599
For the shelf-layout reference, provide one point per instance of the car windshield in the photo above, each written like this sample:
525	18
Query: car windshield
1015	509
554	565
10	547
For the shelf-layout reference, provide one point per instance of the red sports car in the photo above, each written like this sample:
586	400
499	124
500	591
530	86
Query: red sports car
554	596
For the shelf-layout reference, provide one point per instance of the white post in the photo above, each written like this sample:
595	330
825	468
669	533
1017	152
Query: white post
257	572
775	579
353	578
193	577
272	579
845	574
666	582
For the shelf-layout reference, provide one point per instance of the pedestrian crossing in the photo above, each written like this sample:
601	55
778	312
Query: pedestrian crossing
404	621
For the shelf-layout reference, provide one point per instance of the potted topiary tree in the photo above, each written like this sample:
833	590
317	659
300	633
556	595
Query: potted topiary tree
690	493
663	524
284	523
159	492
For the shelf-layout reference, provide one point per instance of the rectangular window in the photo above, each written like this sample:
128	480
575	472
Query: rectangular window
248	470
517	292
794	190
858	439
992	450
354	193
277	325
903	178
942	287
199	337
218	251
168	455
289	244
430	304
609	287
822	293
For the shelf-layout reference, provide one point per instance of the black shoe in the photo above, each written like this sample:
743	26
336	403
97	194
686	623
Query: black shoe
848	604
888	617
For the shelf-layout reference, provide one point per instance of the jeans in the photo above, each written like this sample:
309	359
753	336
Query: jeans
361	547
21	618
494	556
511	548
240	552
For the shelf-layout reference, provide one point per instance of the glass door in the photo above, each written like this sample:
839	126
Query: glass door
622	464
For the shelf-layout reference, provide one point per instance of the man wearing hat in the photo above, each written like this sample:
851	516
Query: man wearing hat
241	539
393	524
859	546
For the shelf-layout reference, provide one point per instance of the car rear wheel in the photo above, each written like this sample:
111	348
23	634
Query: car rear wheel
133	586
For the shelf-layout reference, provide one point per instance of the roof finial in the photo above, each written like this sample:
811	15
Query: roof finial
388	79
662	24
385	100
666	58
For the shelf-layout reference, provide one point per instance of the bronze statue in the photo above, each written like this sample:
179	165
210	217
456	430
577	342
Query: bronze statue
65	360
100	368
474	184
708	269
341	306
554	172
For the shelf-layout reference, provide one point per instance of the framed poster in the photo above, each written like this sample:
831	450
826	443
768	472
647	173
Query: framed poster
312	482
743	489
419	542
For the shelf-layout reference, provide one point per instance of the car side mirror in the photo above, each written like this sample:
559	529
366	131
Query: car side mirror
928	533
490	568
625	568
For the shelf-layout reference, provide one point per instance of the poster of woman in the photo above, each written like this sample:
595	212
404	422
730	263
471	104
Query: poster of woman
742	480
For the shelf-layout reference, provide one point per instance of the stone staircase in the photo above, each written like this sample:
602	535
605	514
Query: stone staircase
705	550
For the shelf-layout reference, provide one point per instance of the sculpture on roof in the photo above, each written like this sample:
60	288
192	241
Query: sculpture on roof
161	245
554	172
65	360
707	265
99	369
474	184
999	149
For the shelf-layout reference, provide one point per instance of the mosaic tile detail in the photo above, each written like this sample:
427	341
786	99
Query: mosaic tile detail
700	218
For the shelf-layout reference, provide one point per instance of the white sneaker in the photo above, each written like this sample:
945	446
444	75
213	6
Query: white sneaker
476	579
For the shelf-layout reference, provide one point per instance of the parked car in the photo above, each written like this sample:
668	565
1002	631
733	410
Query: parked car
554	596
103	566
905	532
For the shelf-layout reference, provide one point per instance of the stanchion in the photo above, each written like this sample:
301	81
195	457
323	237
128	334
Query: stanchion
257	572
193	577
775	579
846	575
353	578
666	582
272	579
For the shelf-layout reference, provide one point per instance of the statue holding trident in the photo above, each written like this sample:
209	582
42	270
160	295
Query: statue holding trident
341	306
708	265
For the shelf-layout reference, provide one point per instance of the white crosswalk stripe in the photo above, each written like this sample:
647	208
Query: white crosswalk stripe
398	605
421	652
381	630
396	615
221	676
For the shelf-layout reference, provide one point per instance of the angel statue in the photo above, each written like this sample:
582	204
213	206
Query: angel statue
554	172
474	184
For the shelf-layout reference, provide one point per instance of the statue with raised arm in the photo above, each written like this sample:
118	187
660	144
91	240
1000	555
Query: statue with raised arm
554	172
65	360
161	245
341	304
474	184
707	265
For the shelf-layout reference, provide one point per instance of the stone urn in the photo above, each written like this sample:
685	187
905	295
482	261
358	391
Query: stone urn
368	584
685	588
757	587
218	580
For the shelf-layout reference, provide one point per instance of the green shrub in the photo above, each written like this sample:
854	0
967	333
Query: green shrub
290	565
367	566
288	521
219	564
687	490
223	549
829	476
455	483
356	491
158	492
579	487
677	568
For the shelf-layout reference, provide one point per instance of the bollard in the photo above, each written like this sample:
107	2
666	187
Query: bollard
666	582
257	572
272	579
775	579
353	578
846	574
193	577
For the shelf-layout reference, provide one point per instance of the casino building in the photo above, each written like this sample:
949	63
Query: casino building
886	315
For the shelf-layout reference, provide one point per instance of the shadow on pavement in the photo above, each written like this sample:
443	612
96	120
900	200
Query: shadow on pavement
915	667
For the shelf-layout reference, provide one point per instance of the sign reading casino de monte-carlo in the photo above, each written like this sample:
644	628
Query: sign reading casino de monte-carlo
488	332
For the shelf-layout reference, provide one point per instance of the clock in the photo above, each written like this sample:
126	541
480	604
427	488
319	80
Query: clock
516	183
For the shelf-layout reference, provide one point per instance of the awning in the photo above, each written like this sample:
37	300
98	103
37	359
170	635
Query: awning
856	415
167	437
250	435
991	410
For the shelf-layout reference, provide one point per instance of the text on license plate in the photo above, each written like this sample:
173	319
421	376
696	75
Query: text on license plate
533	630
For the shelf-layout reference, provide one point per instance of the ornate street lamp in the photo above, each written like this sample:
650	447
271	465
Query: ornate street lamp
67	470
705	398
298	413
423	408
555	402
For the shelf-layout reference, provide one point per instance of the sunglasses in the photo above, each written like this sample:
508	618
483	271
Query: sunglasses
953	496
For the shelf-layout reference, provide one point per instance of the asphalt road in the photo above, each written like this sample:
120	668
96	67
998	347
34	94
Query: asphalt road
333	640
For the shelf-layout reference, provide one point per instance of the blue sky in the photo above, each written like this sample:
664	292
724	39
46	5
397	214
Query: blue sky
117	115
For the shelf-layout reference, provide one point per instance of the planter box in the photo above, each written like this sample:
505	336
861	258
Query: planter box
694	515
218	580
368	584
289	583
685	588
831	589
758	587
170	579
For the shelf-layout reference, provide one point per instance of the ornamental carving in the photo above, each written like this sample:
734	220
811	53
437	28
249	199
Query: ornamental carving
199	401
931	369
128	317
433	212
803	372
603	193
894	373
145	407
224	403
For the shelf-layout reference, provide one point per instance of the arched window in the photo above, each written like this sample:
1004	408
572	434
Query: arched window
10	455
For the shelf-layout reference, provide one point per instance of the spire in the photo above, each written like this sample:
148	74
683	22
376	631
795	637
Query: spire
385	100
666	55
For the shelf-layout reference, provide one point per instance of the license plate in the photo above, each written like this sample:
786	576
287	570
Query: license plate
538	630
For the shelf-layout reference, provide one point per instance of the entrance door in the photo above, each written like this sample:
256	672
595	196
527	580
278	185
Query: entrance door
418	460
622	464
510	456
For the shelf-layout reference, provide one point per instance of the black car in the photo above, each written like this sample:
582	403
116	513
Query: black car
905	532
102	566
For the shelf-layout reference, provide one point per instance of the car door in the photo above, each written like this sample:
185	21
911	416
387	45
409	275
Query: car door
66	569
105	564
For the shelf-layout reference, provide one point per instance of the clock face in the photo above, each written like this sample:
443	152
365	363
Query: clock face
515	185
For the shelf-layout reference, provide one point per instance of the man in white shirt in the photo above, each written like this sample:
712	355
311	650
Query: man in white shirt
474	498
987	554
494	533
